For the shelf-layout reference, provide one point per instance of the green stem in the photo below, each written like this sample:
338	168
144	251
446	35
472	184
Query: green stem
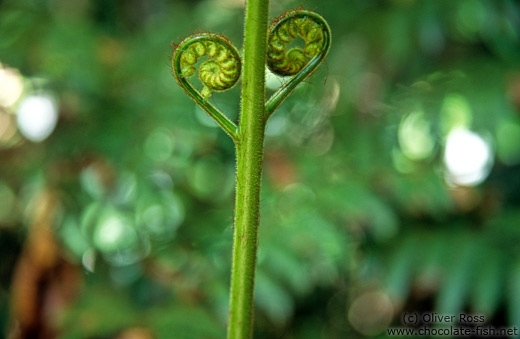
249	171
221	73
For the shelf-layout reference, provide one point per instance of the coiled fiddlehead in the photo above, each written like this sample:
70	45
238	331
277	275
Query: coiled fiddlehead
249	140
297	62
222	69
219	73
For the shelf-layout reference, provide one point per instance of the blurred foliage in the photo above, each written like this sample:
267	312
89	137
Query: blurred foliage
362	216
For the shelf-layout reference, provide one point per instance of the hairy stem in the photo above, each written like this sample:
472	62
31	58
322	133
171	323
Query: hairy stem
249	170
221	72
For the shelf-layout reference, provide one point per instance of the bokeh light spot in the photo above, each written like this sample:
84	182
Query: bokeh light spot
91	182
11	86
371	313
415	137
455	113
468	157
71	235
159	145
277	125
272	81
110	232
508	142
37	117
116	237
211	179
7	129
160	217
89	260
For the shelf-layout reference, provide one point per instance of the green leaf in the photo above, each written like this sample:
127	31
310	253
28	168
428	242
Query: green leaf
458	273
489	282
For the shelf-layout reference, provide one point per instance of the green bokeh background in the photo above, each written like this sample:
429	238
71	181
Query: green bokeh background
360	218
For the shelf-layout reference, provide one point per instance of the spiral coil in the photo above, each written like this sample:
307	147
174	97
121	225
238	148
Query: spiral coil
222	69
309	26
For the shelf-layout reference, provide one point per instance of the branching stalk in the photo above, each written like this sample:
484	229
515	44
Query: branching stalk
222	72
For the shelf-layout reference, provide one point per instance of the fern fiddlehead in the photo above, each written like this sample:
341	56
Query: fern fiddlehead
222	69
219	73
296	62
